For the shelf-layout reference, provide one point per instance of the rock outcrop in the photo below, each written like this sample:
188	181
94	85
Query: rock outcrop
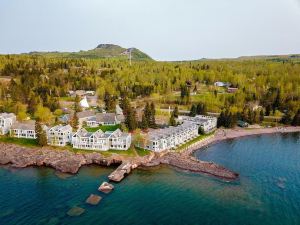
190	163
62	160
106	187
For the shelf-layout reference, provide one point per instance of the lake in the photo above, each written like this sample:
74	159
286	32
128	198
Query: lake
266	193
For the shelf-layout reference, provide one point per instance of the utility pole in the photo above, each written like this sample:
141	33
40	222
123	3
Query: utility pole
130	56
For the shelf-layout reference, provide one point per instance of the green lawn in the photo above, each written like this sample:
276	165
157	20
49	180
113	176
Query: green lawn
199	138
142	152
104	128
19	141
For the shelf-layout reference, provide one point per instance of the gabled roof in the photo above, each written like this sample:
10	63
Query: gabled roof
106	117
7	115
85	114
27	125
61	128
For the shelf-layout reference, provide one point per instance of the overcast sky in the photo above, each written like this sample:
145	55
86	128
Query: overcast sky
164	29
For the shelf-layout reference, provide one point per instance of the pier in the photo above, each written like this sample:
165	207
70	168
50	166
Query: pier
120	173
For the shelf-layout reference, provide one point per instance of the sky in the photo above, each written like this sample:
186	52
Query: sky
164	29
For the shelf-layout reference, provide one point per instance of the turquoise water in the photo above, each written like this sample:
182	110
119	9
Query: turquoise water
268	191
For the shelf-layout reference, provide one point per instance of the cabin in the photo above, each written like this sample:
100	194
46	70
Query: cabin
59	135
6	121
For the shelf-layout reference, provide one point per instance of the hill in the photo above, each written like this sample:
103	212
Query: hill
101	51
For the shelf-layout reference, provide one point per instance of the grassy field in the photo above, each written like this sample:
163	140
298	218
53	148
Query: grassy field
199	138
104	128
142	152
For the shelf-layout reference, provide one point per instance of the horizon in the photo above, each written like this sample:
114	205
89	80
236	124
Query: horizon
204	30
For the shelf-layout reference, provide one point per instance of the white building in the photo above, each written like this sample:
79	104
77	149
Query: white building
6	121
101	141
84	103
103	119
208	123
23	130
84	116
59	135
171	137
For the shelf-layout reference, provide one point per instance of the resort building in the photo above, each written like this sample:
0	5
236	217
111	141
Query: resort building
6	121
208	123
103	119
171	137
101	141
59	135
24	129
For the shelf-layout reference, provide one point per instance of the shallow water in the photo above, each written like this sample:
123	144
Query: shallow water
266	193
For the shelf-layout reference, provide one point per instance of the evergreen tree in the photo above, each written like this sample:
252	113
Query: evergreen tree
41	136
75	121
201	131
130	120
77	107
172	121
296	119
221	119
110	102
261	116
201	109
152	122
176	112
193	111
287	118
144	123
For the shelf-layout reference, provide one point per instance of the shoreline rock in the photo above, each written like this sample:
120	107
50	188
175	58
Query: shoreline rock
106	187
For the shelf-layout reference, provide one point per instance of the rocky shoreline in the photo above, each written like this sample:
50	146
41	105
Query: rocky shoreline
61	160
69	162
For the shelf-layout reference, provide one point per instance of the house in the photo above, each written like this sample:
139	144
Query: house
207	123
101	141
222	84
171	137
6	121
104	119
84	116
24	129
119	140
232	90
59	135
64	118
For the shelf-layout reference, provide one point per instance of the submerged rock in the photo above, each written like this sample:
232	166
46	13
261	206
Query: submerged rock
53	221
75	211
63	175
93	199
6	213
106	187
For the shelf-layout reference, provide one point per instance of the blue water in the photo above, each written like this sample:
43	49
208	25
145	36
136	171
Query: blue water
268	191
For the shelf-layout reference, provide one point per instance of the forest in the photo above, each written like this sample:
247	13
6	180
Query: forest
34	85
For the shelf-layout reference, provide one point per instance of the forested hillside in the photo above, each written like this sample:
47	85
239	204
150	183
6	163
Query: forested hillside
31	80
101	51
